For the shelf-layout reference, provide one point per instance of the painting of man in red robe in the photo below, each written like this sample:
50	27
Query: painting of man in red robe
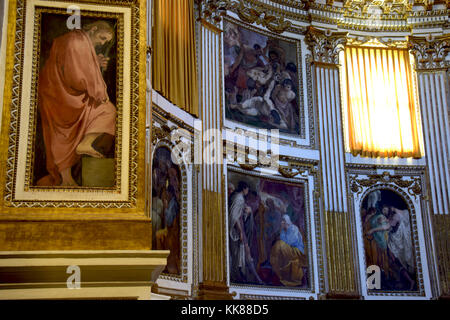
76	111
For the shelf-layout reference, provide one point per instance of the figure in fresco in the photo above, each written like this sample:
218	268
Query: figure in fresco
287	256
272	226
166	199
266	233
73	101
282	97
398	230
260	87
243	264
388	239
378	238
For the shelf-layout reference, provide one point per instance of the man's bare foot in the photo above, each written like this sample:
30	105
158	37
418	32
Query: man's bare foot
85	146
67	180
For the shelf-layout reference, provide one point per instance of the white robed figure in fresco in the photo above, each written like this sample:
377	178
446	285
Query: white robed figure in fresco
400	243
242	261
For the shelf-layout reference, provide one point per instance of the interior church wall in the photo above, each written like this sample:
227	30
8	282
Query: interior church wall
328	197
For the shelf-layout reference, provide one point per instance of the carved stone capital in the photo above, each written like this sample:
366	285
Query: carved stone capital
430	52
324	46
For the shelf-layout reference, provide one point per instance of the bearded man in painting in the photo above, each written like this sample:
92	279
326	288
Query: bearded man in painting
73	101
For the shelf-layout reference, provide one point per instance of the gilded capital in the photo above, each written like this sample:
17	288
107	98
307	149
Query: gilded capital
325	47
430	52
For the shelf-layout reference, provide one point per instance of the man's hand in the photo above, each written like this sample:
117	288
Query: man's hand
102	61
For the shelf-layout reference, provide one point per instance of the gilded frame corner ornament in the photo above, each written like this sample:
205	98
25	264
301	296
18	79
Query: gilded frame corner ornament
20	197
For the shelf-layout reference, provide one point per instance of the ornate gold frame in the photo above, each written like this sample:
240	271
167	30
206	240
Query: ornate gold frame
300	98
162	140
76	203
408	183
304	171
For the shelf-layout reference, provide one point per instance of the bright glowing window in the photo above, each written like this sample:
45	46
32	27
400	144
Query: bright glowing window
380	108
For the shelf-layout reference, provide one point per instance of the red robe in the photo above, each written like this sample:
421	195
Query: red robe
73	101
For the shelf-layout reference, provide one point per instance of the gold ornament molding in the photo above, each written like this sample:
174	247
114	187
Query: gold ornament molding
251	14
413	186
358	15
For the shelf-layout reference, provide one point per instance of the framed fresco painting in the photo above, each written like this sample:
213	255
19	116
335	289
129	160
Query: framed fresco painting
172	205
262	79
166	208
392	232
73	131
269	235
388	240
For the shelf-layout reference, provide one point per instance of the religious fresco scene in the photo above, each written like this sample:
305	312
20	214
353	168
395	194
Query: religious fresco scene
261	80
166	203
388	240
267	232
76	118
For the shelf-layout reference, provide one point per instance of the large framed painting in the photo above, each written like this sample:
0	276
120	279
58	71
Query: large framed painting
74	113
388	241
268	233
262	79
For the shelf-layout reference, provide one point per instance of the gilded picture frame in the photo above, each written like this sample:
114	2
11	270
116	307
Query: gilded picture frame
405	189
304	182
294	53
34	27
186	187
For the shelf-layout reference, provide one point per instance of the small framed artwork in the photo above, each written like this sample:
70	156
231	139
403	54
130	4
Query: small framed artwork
262	79
389	241
166	208
268	232
74	114
391	232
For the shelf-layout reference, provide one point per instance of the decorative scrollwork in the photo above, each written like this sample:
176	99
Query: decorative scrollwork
288	172
253	15
160	133
400	7
247	166
212	10
412	185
